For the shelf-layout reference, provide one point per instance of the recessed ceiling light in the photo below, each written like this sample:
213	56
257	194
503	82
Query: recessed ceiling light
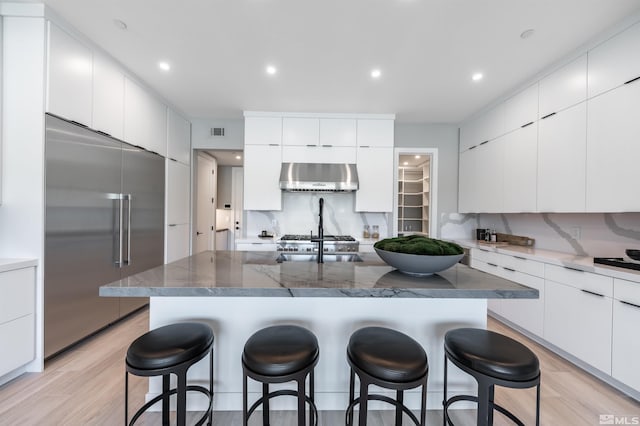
376	73
271	70
238	157
164	66
477	76
120	24
406	163
417	156
527	33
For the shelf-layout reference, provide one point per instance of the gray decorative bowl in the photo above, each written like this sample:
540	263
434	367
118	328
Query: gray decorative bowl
417	264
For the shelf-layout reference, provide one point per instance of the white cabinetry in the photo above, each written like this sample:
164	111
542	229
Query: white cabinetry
564	88
178	137
521	109
467	188
319	154
108	97
178	189
256	246
561	161
177	242
375	165
314	140
488	126
626	345
17	323
145	119
489	175
300	131
337	132
613	150
69	77
263	131
615	61
578	314
520	169
262	165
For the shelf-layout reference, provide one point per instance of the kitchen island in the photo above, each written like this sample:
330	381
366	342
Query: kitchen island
237	293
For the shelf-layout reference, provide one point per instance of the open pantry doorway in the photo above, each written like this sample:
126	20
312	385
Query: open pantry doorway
415	194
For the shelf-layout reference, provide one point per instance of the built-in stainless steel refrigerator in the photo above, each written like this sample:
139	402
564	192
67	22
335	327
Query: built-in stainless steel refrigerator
104	221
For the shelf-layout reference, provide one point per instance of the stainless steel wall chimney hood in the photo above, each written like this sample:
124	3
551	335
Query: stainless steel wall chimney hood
318	177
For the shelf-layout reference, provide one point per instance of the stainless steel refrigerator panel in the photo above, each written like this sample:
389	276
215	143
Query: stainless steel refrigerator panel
83	178
143	177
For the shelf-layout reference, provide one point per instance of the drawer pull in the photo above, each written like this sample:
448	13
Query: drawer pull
573	269
549	115
629	303
274	144
482	143
473	147
520	257
311	145
508	269
591	292
632	80
484	250
492	264
327	146
526	125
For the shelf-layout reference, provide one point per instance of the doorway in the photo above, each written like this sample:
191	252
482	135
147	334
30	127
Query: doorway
205	202
415	193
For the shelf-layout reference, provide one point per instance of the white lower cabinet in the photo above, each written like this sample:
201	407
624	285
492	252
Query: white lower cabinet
526	313
579	321
626	344
256	246
17	324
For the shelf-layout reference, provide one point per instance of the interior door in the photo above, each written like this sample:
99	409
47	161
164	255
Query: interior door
205	220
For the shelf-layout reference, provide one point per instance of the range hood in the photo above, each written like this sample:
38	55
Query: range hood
318	177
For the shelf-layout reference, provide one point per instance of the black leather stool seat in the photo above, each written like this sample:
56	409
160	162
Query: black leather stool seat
280	350
492	354
387	354
169	345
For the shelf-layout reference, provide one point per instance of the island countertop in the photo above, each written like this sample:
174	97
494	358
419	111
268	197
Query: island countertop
258	274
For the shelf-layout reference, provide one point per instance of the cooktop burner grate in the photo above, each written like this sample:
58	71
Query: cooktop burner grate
307	237
617	261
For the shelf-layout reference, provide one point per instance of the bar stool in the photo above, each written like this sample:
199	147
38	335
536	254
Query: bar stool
389	359
167	350
492	359
280	354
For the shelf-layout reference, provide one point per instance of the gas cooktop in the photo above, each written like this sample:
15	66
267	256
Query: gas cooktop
307	237
617	261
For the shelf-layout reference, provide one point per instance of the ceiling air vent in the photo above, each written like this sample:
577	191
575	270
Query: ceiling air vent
217	131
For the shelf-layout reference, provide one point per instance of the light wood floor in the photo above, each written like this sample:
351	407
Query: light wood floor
84	386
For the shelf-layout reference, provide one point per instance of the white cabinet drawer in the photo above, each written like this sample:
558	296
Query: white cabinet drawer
256	247
522	264
626	345
17	294
491	268
17	343
626	291
485	256
527	313
579	279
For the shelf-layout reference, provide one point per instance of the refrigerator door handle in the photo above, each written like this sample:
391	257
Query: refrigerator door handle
120	199
129	198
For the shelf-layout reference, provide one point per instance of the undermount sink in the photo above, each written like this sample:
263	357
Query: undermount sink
303	257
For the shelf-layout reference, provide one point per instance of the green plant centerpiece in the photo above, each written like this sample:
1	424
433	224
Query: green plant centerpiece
418	255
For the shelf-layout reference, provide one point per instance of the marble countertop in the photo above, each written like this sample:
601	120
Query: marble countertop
11	264
257	274
583	263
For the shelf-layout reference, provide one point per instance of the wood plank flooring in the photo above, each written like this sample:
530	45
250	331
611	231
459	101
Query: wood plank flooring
84	386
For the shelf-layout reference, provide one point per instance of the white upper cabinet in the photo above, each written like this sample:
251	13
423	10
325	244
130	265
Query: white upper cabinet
375	133
467	192
375	176
69	79
262	165
521	109
564	88
337	132
613	150
178	137
300	131
108	97
520	169
178	190
484	128
263	131
561	161
615	62
489	176
145	119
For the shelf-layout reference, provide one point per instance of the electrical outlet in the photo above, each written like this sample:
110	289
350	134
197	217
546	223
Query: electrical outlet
575	232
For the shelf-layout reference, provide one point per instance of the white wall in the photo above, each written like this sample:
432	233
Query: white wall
233	134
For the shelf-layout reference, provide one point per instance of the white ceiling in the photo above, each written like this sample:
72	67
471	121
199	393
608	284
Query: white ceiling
227	158
325	50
